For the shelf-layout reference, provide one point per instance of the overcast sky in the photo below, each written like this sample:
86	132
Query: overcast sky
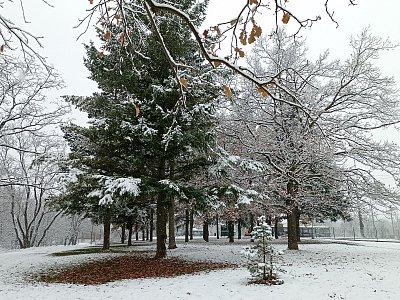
66	53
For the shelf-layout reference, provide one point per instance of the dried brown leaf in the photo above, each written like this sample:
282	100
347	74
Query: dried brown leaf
263	91
227	91
100	54
240	52
107	35
257	30
216	28
252	38
217	64
183	81
285	18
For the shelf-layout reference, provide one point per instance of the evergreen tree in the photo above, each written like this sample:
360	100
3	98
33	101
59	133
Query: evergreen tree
138	125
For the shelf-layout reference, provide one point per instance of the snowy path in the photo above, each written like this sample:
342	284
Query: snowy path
364	271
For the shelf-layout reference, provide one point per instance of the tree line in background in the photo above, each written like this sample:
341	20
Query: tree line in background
160	142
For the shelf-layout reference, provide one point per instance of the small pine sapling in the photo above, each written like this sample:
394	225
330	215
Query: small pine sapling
262	256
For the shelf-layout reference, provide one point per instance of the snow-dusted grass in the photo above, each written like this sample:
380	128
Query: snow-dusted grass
362	270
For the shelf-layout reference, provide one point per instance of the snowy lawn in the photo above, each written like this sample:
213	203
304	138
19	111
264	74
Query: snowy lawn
362	270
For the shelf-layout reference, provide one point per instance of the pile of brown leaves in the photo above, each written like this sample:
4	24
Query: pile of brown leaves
128	267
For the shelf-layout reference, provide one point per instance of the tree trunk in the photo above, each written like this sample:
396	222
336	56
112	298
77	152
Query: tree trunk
205	231
276	228
217	218
136	232
171	224
123	233
151	229
143	233
129	225
360	218
292	229
107	229
187	225
231	231
251	222
191	225
161	224
292	217
239	227
298	225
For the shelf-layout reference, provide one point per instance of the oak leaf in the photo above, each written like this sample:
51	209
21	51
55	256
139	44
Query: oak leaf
216	28
253	2
240	52
91	1
183	81
256	32
216	64
2	48
107	35
263	91
285	18
100	54
227	91
252	38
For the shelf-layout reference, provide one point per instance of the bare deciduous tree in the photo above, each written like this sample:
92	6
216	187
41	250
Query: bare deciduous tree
34	161
325	147
24	106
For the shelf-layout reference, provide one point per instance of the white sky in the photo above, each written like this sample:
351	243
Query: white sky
66	54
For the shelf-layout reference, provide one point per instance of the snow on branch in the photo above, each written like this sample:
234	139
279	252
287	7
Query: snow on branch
112	187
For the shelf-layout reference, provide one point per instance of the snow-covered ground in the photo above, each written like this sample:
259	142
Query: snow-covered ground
362	270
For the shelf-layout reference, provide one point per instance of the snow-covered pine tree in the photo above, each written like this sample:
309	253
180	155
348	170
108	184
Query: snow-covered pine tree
262	256
138	125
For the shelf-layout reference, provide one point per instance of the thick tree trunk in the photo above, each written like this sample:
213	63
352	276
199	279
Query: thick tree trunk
187	217
123	233
276	228
251	217
129	225
107	230
191	224
292	217
239	227
231	231
171	224
205	231
292	229
161	226
360	218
